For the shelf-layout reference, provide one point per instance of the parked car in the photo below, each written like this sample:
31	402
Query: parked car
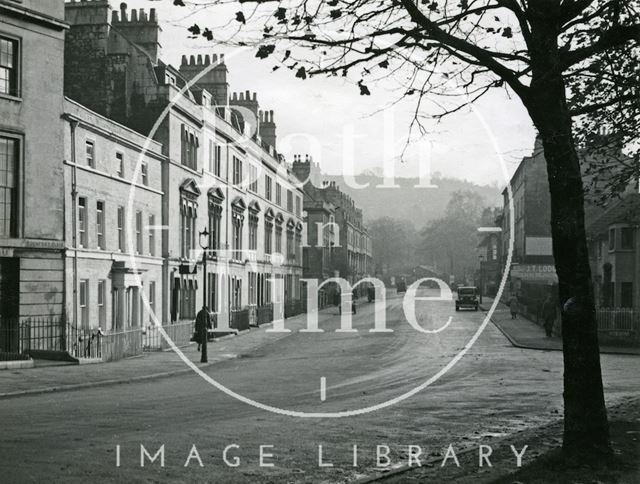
467	298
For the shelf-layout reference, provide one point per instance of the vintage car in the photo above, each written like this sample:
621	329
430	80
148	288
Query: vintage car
467	298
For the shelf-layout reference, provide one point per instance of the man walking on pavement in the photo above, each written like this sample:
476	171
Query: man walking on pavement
548	315
203	324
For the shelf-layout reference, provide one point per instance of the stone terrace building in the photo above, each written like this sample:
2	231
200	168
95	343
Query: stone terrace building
114	211
212	177
350	255
31	180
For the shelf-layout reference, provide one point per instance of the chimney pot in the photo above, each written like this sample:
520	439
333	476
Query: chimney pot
152	15
214	59
114	16
123	12
221	58
143	15
192	60
184	60
206	60
134	15
248	93
199	59
255	96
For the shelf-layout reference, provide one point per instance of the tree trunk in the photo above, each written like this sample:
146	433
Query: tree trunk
586	429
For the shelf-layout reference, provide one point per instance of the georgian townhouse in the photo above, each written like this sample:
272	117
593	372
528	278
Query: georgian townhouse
113	222
223	184
349	254
31	180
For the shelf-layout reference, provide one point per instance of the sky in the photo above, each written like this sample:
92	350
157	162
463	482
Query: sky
328	118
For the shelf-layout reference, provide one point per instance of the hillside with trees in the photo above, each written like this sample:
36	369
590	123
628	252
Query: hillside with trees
416	205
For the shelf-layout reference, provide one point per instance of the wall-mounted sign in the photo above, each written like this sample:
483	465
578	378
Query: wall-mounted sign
6	251
534	272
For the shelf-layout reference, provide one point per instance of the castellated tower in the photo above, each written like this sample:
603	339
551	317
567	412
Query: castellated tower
214	81
242	102
90	22
86	53
110	59
307	170
139	28
246	100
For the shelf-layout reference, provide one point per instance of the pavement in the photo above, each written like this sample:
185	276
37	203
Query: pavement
524	333
47	377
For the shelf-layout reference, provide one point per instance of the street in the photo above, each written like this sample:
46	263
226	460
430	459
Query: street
493	391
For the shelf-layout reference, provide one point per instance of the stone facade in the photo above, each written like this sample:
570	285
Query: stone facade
112	221
350	255
31	178
614	250
532	211
216	167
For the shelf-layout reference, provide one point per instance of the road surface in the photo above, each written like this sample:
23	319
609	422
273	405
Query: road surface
96	434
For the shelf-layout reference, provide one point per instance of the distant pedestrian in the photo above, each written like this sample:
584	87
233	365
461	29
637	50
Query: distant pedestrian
337	300
548	315
514	306
203	324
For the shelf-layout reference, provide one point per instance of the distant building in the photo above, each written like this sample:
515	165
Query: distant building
31	175
614	253
490	255
350	256
531	212
532	273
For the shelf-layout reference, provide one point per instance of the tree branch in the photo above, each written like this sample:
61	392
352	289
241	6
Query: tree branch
597	106
613	37
484	58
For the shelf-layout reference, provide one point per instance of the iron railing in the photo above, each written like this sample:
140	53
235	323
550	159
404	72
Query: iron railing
46	336
619	323
264	314
239	319
12	340
180	334
81	342
293	308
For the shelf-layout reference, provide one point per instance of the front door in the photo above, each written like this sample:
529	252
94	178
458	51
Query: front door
9	304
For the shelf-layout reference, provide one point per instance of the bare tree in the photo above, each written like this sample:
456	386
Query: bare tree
573	64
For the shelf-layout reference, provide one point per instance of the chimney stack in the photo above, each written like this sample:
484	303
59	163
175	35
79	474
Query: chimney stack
214	81
268	128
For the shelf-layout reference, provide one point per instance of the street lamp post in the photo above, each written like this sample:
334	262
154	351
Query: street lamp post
204	244
481	257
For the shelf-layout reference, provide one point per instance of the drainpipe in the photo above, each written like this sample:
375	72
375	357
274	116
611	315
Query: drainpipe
73	123
227	283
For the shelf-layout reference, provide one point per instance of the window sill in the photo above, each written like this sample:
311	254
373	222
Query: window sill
10	97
